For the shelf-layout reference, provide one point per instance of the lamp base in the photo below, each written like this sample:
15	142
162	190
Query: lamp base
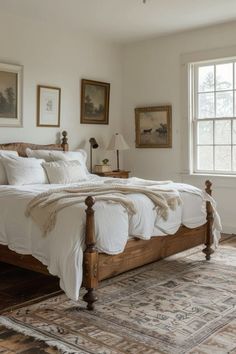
118	170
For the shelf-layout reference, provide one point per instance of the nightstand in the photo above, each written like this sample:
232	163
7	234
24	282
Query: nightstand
114	174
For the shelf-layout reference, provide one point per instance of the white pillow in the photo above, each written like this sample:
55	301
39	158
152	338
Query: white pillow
79	155
39	154
54	155
64	172
9	152
3	175
22	170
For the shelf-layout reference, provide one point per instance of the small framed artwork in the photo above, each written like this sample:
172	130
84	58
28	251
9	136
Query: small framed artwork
94	102
48	106
11	79
153	127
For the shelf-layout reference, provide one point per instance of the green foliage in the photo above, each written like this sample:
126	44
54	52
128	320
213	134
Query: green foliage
7	101
90	109
105	161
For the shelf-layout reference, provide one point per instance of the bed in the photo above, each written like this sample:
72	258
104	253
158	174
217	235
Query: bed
98	265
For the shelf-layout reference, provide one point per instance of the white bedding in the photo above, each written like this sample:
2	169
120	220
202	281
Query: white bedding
62	249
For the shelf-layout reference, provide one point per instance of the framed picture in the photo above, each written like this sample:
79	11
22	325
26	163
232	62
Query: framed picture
11	79
48	106
153	127
94	102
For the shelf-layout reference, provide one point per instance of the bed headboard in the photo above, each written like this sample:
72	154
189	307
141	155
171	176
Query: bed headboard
21	147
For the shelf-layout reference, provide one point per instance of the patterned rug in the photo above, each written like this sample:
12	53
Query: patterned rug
180	305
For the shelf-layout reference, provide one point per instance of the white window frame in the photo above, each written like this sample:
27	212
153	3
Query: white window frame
193	114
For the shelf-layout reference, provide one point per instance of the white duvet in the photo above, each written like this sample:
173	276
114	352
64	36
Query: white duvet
62	250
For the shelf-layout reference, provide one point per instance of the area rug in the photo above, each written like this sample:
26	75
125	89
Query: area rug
180	305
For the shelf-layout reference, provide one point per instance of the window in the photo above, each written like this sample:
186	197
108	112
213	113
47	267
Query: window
213	116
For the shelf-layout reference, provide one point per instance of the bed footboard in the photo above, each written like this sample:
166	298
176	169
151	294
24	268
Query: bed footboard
90	279
164	246
209	236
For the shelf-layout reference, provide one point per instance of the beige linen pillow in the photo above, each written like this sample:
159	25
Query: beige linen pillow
54	155
39	154
64	172
79	155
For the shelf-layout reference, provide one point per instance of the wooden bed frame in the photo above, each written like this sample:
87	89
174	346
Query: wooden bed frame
99	266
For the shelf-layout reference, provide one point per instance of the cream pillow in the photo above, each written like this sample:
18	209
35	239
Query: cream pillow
22	170
3	175
39	154
64	172
54	155
79	155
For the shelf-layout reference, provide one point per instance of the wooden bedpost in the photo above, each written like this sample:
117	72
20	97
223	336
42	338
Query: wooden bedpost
209	236
90	280
64	142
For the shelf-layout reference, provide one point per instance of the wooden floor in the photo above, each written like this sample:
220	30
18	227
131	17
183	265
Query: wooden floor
19	285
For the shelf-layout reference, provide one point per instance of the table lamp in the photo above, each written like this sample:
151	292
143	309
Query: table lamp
117	143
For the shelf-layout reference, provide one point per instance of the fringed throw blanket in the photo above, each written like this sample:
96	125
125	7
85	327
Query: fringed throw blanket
44	208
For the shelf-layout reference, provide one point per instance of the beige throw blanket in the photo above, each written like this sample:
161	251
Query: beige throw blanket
44	208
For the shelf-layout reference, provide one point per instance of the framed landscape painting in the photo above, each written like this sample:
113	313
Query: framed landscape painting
94	102
48	106
153	127
11	77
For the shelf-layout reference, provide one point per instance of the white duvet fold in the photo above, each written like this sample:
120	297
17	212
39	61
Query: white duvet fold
44	207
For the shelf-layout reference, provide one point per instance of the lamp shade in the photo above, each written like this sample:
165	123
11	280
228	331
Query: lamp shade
117	142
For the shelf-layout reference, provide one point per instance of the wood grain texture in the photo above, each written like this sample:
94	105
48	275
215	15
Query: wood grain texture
21	147
136	253
209	234
23	261
90	278
139	252
114	174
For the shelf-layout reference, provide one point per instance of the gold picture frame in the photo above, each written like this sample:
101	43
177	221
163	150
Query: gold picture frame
95	96
153	126
11	95
48	106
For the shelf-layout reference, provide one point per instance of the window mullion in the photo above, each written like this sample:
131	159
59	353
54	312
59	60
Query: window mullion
231	145
214	117
233	92
232	126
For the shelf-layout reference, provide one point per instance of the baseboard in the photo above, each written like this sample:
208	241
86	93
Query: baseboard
228	229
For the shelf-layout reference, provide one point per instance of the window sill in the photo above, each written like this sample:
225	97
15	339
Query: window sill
211	175
219	181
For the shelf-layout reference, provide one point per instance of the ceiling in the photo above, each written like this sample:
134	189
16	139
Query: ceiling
124	20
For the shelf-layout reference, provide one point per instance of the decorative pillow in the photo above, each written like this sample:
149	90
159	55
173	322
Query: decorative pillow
54	155
22	170
40	154
64	172
3	176
79	155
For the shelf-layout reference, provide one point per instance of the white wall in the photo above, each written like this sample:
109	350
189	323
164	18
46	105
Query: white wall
153	75
51	56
